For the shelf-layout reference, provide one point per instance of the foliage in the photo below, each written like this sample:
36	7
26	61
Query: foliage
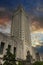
20	63
38	63
9	58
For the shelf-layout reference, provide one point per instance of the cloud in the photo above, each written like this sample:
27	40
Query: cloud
2	9
37	38
37	24
6	28
5	16
5	23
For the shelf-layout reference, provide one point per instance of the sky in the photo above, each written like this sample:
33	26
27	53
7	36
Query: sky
33	7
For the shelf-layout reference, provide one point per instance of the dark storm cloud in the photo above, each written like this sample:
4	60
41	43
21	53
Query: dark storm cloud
39	20
37	23
5	12
5	17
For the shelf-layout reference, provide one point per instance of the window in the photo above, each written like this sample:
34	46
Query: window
9	47
15	51
1	47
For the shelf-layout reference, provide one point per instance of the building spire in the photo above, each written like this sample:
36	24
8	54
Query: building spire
20	6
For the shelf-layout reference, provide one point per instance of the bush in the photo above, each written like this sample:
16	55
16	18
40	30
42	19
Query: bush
20	63
38	63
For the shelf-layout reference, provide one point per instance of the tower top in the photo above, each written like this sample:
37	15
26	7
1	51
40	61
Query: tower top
20	7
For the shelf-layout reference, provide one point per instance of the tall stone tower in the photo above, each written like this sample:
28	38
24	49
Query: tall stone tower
20	30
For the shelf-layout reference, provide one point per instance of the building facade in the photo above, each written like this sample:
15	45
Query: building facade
20	39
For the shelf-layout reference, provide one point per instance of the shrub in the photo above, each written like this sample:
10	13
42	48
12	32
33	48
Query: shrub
38	63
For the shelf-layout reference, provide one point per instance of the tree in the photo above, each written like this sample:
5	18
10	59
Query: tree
28	57
38	63
9	58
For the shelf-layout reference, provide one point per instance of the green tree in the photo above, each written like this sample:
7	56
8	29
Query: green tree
9	58
20	63
38	63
